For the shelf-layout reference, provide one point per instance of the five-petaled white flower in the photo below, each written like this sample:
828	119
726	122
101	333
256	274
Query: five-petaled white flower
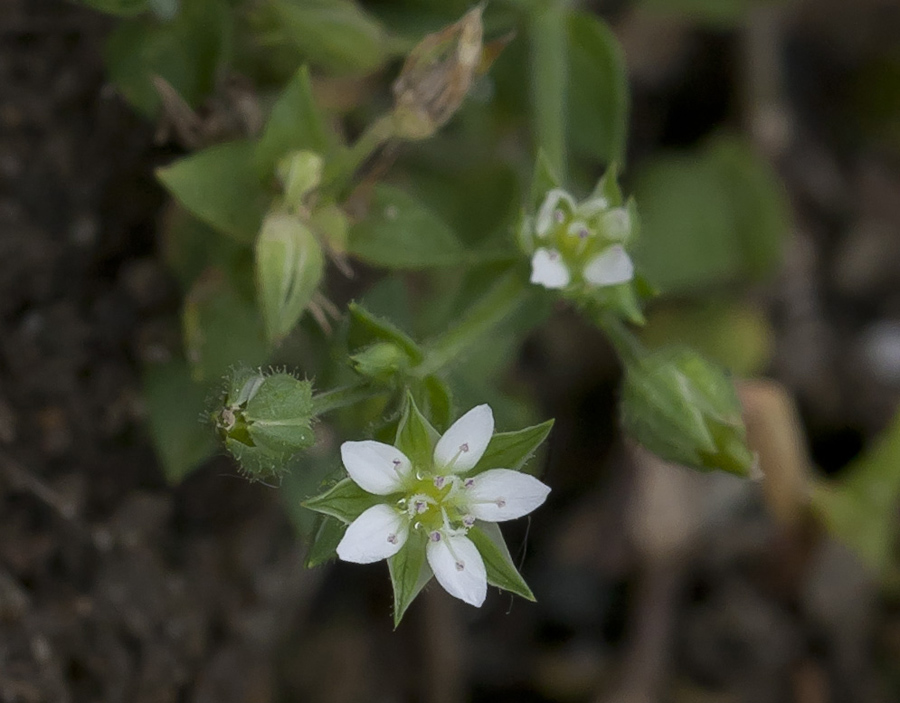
443	498
581	242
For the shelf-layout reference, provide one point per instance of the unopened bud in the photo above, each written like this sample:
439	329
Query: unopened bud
686	410
381	361
300	172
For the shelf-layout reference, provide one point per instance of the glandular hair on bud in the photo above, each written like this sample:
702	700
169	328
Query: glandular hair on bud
437	76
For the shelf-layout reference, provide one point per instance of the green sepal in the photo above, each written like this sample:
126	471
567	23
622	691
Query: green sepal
608	187
512	450
344	500
435	397
295	123
327	535
501	572
415	435
543	180
409	573
280	413
366	328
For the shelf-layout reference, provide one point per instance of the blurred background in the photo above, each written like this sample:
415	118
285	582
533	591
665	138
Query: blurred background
763	147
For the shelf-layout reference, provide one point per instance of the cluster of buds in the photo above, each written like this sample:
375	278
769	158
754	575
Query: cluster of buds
579	246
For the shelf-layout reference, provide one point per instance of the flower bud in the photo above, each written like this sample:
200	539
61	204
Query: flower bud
436	76
265	419
289	268
300	172
381	361
685	410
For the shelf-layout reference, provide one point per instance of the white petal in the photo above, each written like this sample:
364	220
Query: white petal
459	568
375	467
609	267
546	217
549	270
380	532
464	443
617	224
503	494
592	207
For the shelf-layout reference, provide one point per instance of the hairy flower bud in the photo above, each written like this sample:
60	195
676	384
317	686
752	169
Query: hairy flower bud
265	419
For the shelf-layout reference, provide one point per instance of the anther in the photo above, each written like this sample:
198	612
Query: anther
392	538
421	506
460	566
559	215
435	536
439	481
469	482
468	521
464	447
501	502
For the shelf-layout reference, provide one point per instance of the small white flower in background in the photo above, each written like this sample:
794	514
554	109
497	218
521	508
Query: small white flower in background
580	242
441	499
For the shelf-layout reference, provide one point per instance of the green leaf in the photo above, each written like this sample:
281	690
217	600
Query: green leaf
415	435
327	535
221	328
189	246
860	509
512	450
400	233
122	8
220	186
294	124
289	268
336	35
367	329
409	573
501	572
708	217
598	90
175	406
345	501
187	52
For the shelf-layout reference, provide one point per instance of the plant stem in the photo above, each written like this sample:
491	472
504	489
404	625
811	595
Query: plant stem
493	308
627	345
343	169
343	396
549	80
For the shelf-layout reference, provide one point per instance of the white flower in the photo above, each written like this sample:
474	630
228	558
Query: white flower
580	242
438	499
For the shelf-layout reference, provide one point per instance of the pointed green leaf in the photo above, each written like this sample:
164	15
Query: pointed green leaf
221	328
219	185
294	124
401	233
175	405
409	573
598	90
501	572
345	500
327	535
512	450
289	268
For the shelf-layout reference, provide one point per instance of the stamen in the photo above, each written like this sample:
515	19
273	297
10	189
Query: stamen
559	215
435	536
460	565
464	447
501	502
420	506
439	481
468	521
392	538
469	483
552	255
584	233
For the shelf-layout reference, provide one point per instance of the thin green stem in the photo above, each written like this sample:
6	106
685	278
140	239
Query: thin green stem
343	169
499	303
549	80
343	396
627	345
